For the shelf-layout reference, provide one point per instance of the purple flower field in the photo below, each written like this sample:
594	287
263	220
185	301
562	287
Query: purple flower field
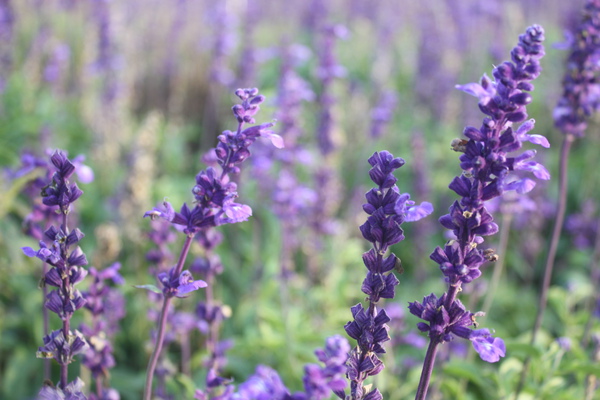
330	199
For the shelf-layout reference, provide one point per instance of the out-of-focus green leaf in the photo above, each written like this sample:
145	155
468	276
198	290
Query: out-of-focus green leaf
523	348
465	370
10	194
151	288
588	368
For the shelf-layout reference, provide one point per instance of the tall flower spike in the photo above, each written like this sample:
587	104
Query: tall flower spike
581	88
387	210
581	98
67	269
214	195
488	171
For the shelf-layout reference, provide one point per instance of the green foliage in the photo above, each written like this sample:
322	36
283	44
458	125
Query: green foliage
275	323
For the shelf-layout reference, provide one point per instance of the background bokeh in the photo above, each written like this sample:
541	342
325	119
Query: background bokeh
142	88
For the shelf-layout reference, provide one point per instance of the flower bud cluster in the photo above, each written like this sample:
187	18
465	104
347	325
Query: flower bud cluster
213	192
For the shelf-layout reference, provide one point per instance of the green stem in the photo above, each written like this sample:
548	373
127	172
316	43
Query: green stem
162	324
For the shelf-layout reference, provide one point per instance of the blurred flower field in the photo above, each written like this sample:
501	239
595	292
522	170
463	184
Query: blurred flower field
299	267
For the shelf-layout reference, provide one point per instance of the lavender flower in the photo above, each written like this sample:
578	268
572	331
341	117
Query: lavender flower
43	216
72	391
106	63
328	70
210	312
581	97
487	165
581	94
265	384
319	381
387	209
214	205
67	269
583	226
383	113
7	21
107	307
223	44
179	285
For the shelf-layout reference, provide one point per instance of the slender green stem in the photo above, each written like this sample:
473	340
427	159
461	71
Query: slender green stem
162	324
558	224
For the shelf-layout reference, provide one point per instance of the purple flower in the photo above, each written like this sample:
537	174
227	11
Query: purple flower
410	210
53	254
327	71
265	384
60	192
565	343
456	265
233	147
446	323
214	205
214	193
62	350
107	306
485	159
490	349
487	165
61	344
72	391
319	381
581	89
383	112
386	208
179	286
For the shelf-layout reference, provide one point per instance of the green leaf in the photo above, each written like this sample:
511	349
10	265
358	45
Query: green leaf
587	368
151	288
523	348
13	191
465	370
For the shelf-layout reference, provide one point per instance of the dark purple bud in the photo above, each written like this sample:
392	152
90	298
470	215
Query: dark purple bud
521	99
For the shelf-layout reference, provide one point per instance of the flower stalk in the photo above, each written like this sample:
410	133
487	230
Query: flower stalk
488	171
214	195
66	272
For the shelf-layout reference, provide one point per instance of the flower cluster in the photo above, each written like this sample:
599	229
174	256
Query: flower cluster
266	384
328	70
581	89
383	112
487	169
444	323
214	195
66	271
387	210
214	192
73	391
319	381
